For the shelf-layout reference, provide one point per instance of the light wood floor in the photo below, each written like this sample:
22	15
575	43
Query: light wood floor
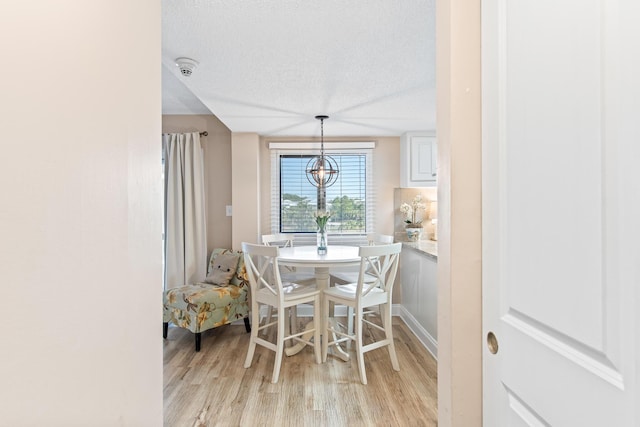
212	388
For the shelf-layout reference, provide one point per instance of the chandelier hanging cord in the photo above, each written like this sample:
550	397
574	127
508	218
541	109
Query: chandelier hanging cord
322	171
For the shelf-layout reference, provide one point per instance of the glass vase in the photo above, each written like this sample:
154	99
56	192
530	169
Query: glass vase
321	241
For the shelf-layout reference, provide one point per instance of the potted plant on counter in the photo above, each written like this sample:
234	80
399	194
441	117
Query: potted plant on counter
413	221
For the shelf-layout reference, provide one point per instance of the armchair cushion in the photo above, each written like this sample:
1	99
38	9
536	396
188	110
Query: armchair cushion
222	269
240	278
203	306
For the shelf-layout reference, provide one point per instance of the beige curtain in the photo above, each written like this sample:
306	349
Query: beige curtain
185	246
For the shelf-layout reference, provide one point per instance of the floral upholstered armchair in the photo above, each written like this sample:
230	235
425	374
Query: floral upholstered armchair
222	298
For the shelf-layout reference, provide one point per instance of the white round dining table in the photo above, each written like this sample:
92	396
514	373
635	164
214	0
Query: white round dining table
307	256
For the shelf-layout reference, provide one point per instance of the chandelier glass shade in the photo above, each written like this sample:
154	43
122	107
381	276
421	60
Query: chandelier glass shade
322	171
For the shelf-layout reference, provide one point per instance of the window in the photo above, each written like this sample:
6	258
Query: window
295	199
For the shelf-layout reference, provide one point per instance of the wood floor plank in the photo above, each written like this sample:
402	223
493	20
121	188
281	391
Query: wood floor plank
212	388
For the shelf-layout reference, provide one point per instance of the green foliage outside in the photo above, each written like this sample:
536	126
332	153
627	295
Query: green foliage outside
298	215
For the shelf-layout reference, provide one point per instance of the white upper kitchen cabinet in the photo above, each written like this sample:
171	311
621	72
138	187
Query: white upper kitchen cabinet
418	159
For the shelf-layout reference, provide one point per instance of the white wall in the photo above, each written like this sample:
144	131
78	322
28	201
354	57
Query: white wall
80	216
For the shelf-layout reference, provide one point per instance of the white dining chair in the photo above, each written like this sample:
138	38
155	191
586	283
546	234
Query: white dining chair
343	277
288	275
267	289
351	275
282	240
381	261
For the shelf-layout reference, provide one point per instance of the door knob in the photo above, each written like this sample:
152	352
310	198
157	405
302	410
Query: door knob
492	342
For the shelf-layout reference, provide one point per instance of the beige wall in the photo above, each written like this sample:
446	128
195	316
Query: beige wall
246	188
217	158
386	169
460	338
80	217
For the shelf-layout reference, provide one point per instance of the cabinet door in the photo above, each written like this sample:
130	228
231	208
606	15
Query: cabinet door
423	159
419	155
427	310
410	279
420	297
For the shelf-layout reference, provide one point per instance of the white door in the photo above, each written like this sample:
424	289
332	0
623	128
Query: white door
561	192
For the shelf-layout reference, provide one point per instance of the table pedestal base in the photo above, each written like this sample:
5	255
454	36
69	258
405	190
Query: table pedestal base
304	256
339	352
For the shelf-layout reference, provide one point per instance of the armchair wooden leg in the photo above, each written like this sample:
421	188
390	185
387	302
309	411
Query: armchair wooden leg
165	329
247	325
198	339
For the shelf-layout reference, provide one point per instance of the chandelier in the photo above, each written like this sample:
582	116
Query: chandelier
322	171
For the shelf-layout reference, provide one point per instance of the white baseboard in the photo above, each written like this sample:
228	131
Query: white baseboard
421	333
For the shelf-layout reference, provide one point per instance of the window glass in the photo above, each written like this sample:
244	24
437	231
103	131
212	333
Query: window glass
346	199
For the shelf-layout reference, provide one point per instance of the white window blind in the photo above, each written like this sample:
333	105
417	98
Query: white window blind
350	200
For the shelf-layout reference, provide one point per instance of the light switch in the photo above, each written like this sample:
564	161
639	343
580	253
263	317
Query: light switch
228	210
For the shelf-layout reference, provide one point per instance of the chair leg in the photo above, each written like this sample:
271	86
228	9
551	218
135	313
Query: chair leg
255	317
286	313
279	349
349	324
359	353
165	329
267	319
317	341
247	325
293	319
198	340
325	329
388	332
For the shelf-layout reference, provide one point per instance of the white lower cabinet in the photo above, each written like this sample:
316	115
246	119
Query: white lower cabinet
418	272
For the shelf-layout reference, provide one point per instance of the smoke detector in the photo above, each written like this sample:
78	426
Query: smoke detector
186	66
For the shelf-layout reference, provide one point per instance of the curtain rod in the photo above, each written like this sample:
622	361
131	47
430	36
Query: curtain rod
205	133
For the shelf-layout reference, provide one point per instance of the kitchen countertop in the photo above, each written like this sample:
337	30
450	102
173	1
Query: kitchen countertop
428	247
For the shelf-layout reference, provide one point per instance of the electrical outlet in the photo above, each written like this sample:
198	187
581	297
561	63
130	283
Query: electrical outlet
228	209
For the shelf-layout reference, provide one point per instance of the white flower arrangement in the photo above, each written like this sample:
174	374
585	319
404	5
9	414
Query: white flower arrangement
322	217
410	211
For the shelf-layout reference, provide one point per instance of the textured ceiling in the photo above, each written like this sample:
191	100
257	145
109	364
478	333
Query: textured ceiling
270	66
